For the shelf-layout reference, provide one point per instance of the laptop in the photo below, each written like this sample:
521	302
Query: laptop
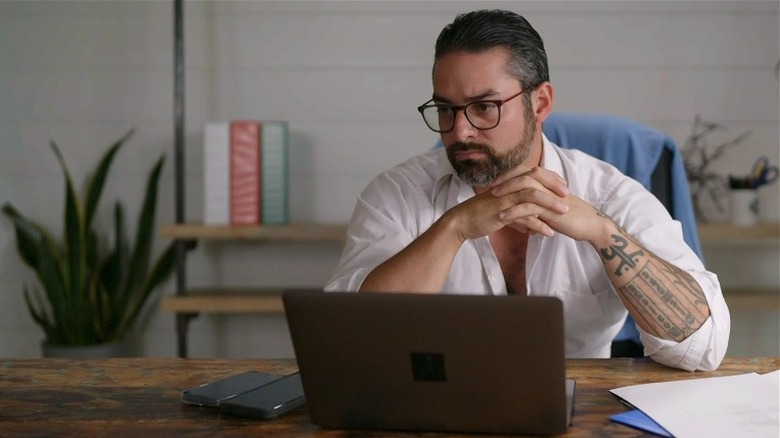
443	363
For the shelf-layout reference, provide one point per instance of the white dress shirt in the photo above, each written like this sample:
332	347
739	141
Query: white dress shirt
403	202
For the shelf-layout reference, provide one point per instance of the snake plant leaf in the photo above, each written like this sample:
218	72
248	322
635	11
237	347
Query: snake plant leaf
139	257
28	233
51	274
114	270
75	236
37	248
99	314
37	310
114	274
160	272
133	296
92	250
98	179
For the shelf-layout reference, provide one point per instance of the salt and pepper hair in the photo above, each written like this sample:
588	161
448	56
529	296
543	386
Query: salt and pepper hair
480	31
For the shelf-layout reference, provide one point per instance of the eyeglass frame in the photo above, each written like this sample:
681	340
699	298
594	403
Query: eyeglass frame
455	108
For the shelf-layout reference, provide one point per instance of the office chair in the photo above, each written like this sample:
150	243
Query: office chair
644	154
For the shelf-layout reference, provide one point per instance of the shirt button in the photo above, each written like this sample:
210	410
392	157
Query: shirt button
490	277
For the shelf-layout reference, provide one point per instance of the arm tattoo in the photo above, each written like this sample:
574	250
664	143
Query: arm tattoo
683	281
618	249
661	297
674	315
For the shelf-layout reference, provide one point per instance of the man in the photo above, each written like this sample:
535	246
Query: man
502	210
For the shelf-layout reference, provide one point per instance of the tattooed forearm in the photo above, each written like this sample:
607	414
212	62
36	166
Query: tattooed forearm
627	261
664	300
652	315
683	281
669	314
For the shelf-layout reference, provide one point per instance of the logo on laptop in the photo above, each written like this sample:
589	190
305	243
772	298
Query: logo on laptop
428	367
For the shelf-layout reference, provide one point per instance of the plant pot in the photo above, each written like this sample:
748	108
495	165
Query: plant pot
109	349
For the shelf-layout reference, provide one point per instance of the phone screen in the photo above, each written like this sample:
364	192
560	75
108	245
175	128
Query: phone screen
211	394
268	401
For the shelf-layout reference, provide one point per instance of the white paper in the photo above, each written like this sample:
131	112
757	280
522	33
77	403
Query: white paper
732	406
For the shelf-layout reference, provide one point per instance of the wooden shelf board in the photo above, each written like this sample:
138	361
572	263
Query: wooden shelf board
759	298
226	301
720	232
269	301
289	232
715	232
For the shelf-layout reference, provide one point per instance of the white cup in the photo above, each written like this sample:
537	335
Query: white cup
744	207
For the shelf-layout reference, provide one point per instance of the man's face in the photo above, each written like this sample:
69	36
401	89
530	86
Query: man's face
479	156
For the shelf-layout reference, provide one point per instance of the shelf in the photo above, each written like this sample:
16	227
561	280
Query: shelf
280	233
726	233
190	302
269	301
708	232
215	300
757	299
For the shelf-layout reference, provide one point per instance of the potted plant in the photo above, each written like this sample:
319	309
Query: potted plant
91	292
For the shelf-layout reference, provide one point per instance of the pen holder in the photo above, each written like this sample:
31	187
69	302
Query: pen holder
744	207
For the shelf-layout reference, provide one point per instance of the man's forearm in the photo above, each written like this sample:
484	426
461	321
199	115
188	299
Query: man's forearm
422	266
663	299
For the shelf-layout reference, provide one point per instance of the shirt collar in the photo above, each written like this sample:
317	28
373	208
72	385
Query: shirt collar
550	158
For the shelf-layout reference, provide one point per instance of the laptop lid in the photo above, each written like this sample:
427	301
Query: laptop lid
456	363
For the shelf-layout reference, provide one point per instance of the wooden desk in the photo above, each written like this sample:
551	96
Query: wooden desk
140	397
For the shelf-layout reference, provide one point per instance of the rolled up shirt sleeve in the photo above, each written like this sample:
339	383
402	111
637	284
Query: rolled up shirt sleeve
705	349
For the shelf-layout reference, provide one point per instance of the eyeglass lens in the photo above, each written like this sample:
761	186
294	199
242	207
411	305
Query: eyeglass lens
481	115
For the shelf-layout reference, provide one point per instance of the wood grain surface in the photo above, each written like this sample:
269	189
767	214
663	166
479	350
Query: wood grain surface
139	397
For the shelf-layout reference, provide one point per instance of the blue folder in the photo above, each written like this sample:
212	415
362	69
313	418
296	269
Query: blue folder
639	420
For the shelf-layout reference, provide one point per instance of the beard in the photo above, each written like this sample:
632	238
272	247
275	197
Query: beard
480	173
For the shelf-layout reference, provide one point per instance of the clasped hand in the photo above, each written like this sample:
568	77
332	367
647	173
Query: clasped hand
529	200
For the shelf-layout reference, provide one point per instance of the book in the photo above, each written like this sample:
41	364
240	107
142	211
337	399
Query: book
245	194
216	174
274	172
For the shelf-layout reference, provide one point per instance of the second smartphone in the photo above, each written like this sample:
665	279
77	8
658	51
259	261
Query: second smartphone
268	401
214	393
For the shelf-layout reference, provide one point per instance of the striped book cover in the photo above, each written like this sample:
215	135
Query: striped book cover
245	195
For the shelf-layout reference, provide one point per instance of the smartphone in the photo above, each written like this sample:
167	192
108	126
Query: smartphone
214	393
268	401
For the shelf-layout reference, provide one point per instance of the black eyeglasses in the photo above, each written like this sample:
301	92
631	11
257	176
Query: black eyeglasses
482	114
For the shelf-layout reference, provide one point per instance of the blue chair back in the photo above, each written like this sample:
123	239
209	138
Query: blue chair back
639	151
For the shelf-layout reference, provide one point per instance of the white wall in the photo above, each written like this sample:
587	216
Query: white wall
347	76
